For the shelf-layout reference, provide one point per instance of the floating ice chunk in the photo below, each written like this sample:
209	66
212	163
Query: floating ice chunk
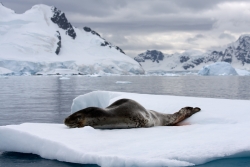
123	82
64	78
94	75
218	68
172	75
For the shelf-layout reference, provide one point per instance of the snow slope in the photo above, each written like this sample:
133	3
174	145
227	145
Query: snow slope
43	35
219	130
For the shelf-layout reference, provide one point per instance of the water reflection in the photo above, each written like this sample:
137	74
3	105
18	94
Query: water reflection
48	99
12	159
232	162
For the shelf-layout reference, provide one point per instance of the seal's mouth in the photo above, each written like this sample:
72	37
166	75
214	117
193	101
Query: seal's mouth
70	124
74	123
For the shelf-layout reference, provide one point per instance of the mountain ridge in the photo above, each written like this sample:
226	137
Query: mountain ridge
50	37
236	53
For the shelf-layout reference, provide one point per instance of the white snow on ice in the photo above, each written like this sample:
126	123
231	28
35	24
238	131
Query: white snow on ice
219	130
218	68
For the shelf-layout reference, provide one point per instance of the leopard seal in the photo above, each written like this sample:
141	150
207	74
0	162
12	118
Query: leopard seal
124	114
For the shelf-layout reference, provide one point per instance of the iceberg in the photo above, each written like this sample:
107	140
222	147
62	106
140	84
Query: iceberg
219	130
218	68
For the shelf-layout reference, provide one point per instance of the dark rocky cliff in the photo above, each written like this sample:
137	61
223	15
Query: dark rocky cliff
60	19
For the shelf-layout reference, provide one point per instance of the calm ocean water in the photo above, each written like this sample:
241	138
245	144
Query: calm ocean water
48	100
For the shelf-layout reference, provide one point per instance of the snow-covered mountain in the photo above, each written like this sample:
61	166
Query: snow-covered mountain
42	40
236	53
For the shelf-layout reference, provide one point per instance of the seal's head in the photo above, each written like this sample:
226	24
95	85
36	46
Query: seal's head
75	120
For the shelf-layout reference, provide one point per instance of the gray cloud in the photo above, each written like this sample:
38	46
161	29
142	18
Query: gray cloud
197	5
152	26
151	20
141	46
195	38
98	7
134	49
86	7
227	36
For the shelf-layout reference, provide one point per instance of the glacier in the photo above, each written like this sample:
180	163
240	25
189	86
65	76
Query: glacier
219	130
5	71
41	40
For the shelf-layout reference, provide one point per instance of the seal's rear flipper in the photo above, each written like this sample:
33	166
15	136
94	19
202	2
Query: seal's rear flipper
182	114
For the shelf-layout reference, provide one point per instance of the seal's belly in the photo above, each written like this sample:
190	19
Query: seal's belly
135	121
110	123
115	126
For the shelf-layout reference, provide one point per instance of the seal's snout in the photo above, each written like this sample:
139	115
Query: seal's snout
196	109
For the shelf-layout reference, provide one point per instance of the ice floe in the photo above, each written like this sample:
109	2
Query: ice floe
123	82
219	130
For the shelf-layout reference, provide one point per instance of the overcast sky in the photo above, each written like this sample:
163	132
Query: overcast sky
166	25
